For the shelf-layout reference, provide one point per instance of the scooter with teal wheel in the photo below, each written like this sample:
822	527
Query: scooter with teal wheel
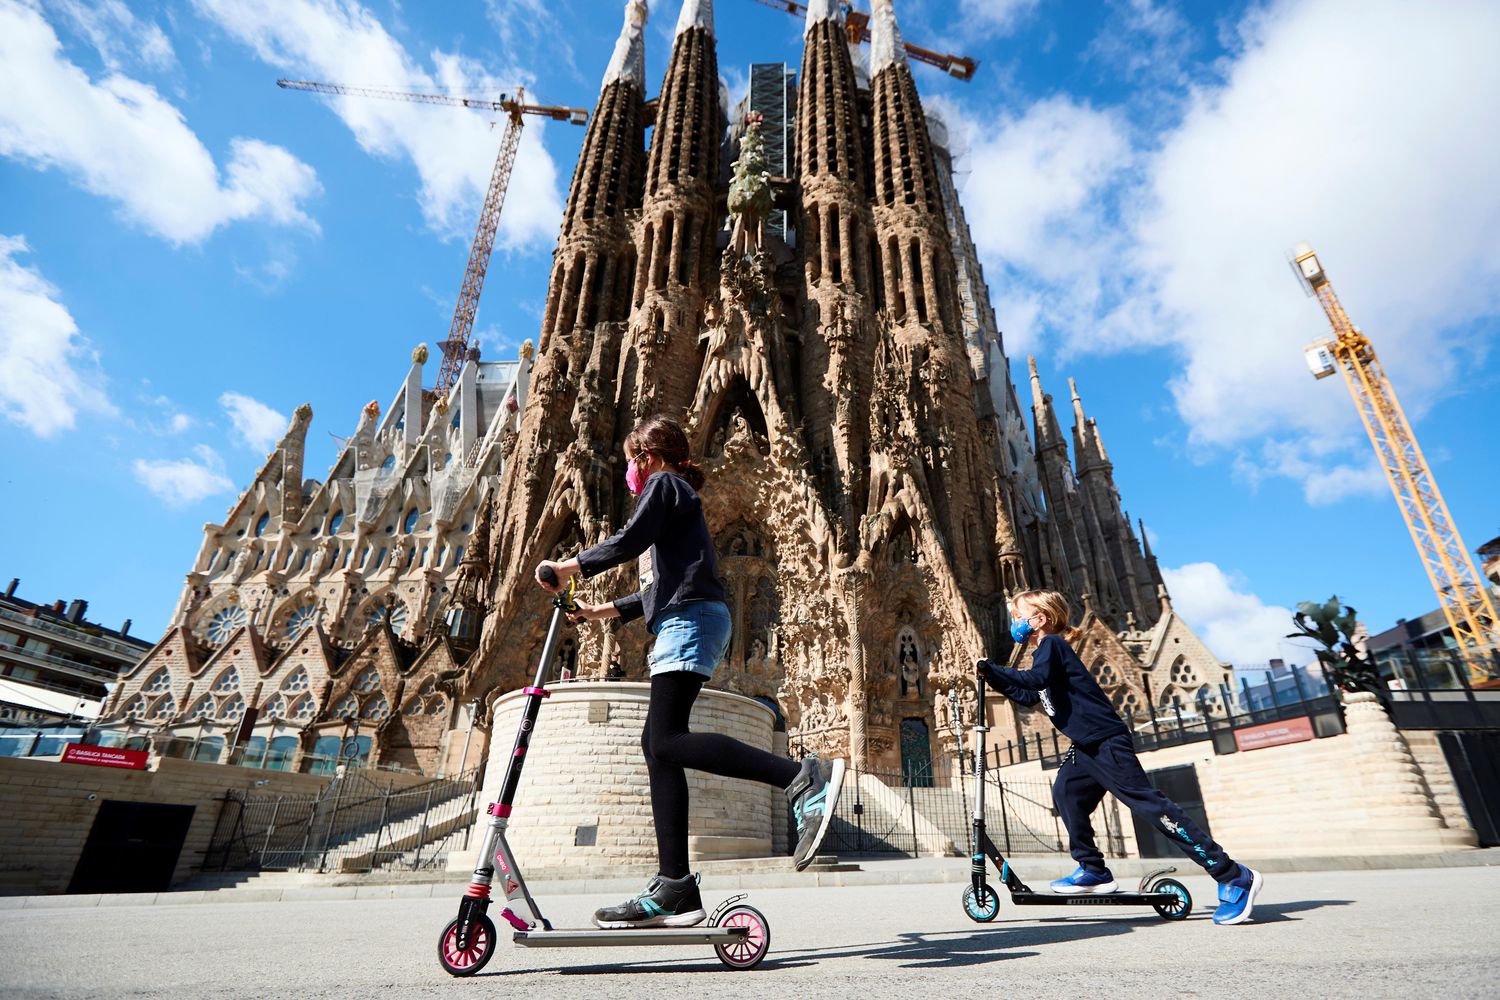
1167	896
739	934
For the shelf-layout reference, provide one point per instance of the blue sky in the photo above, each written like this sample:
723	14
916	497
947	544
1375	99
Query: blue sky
188	252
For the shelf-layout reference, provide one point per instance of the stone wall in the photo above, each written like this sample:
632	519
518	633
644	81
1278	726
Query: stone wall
48	812
585	770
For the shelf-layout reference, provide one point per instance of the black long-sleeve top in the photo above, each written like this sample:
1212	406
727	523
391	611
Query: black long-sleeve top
668	522
1067	692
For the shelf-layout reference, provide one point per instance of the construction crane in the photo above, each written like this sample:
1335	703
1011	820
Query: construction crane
857	25
456	347
1465	600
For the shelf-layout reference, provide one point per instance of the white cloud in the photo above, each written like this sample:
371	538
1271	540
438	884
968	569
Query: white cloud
119	139
258	426
1314	462
180	422
452	149
117	34
184	481
48	373
996	17
1379	149
1369	134
1237	625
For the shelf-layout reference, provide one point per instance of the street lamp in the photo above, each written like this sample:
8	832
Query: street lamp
473	706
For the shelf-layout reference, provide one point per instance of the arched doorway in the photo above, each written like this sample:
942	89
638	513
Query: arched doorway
916	753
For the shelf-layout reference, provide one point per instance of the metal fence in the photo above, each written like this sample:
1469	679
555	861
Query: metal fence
1176	724
915	812
356	824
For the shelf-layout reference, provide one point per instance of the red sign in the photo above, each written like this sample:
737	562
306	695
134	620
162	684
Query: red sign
81	753
1274	734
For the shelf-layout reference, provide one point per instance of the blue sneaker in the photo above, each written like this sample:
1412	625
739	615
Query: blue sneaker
1083	881
1237	897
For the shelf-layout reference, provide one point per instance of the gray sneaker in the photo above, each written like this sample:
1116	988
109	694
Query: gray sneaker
814	795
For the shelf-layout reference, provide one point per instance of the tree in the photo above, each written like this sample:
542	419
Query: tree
1332	626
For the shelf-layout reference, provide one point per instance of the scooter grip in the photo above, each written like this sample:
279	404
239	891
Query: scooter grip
547	575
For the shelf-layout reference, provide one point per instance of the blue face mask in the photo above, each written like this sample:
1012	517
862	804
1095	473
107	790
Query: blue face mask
1021	630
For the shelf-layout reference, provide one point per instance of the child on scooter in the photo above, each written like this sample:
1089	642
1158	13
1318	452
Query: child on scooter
683	604
1101	759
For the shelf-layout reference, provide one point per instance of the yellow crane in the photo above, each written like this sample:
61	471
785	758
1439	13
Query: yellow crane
456	347
857	26
1465	600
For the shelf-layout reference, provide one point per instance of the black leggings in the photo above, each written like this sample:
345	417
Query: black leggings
670	747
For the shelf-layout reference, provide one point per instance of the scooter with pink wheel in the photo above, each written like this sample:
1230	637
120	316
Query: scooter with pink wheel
738	933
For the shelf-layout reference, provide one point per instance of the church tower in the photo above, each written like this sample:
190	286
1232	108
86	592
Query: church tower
676	237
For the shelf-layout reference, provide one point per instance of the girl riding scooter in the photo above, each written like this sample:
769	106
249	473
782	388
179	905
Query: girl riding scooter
683	604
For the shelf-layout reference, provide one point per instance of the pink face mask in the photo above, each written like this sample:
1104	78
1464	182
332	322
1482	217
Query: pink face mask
633	481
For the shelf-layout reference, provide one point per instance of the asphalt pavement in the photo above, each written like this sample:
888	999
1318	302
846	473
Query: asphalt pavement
1367	934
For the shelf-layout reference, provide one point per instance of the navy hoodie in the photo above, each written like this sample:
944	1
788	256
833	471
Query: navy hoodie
668	521
1065	689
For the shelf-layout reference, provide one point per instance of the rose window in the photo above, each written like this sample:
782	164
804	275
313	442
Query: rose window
225	623
299	619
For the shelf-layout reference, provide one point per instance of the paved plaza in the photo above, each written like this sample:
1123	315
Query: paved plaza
1361	934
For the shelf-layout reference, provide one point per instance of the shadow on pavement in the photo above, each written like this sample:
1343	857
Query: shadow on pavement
1275	913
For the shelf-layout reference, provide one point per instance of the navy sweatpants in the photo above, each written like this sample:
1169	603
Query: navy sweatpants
1110	765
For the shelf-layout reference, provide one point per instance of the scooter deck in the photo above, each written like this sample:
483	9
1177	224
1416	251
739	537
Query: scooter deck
588	937
1093	899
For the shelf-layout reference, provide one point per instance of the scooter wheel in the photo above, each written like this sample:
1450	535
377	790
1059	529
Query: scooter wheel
746	954
982	906
1180	907
458	961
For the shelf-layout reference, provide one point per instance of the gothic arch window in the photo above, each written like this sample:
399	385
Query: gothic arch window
1105	674
367	681
296	682
298	618
303	709
231	709
260	526
376	708
160	683
135	708
226	622
275	708
228	682
1169	697
1183	674
203	709
379	611
162	709
348	708
1126	701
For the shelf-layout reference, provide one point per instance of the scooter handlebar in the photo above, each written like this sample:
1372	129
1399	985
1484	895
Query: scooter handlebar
547	575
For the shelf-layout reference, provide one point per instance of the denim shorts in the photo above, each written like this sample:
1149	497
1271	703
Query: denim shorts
692	636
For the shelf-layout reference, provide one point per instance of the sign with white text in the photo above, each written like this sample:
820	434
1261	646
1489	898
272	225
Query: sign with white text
82	753
1274	734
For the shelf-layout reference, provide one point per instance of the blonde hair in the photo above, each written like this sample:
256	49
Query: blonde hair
1054	606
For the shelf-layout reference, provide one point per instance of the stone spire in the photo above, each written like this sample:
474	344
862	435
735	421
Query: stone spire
696	14
886	46
836	232
675	236
629	61
1048	430
823	10
1088	446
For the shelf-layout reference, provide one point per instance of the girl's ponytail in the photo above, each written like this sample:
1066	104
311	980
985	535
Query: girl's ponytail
692	472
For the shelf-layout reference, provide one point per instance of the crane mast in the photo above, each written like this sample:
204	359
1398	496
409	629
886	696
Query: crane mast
456	347
1466	602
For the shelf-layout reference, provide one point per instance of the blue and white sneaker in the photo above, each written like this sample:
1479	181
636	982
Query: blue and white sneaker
1237	897
1083	881
814	795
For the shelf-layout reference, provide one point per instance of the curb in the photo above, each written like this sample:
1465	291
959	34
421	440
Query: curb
870	872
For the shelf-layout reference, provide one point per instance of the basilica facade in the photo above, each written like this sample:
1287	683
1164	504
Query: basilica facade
873	489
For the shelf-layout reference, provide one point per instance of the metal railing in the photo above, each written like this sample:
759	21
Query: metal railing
1217	720
916	812
356	824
